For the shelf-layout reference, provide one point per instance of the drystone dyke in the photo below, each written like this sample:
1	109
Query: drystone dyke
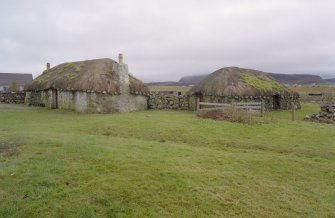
326	115
12	97
235	99
160	101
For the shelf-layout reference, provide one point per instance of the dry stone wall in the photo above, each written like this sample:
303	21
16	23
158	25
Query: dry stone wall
234	99
286	102
41	99
326	115
12	97
160	101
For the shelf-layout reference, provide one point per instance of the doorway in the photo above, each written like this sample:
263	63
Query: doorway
54	103
276	102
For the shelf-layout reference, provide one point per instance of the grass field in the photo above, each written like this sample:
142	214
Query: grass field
314	89
327	90
164	164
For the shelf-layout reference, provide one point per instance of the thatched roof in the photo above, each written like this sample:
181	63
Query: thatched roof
234	81
90	75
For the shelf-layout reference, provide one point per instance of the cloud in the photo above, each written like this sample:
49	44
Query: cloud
164	40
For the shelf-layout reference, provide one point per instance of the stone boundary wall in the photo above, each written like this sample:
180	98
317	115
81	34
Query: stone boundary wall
235	99
159	101
326	115
12	97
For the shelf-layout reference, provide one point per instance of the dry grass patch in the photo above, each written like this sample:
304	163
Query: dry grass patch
230	114
7	150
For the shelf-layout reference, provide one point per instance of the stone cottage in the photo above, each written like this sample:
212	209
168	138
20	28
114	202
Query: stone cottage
97	86
233	84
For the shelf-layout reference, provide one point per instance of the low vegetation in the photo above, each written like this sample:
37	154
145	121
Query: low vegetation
164	164
229	114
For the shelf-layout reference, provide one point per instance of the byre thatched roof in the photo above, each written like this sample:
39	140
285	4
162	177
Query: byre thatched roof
234	81
90	75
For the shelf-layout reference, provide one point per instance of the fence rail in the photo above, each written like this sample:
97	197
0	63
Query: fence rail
253	107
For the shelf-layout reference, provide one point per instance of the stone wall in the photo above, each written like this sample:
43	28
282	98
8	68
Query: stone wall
326	115
41	99
160	101
286	102
234	99
106	103
12	97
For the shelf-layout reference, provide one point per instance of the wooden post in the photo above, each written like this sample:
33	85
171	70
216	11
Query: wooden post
262	108
198	105
293	112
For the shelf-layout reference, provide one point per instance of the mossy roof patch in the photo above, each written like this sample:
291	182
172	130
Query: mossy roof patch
262	82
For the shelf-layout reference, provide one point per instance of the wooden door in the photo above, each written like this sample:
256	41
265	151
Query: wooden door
54	104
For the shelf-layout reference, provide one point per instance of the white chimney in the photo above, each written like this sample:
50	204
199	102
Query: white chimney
120	58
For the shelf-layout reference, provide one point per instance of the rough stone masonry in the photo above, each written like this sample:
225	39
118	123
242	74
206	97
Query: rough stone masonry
326	115
12	97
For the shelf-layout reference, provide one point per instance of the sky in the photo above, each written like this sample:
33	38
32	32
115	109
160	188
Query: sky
163	40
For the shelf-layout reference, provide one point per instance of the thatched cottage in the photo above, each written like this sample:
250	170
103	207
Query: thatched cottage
233	84
101	85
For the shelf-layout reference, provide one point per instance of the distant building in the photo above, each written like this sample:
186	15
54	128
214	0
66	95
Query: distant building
7	79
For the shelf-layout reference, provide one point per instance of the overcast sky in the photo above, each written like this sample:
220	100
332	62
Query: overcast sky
166	39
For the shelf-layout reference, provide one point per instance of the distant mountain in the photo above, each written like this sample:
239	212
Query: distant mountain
170	83
291	79
301	79
191	80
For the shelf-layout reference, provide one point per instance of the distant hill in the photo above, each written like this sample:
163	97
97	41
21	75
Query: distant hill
170	83
291	79
191	80
331	80
301	79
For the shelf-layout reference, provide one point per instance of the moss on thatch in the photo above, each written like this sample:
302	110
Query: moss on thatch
91	75
261	82
234	81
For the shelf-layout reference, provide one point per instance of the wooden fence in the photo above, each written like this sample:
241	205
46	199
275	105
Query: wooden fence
252	107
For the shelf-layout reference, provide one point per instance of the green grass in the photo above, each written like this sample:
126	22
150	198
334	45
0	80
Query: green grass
164	164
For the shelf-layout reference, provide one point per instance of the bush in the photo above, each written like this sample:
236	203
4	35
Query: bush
230	114
13	87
